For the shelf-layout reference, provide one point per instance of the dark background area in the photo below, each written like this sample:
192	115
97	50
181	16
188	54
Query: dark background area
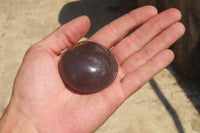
100	12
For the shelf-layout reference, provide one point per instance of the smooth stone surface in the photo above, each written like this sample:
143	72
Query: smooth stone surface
88	67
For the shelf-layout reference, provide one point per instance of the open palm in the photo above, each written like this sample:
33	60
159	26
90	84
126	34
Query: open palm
41	95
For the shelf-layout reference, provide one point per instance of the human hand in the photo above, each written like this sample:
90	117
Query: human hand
42	103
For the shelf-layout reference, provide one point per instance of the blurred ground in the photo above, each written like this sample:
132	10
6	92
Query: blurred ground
167	104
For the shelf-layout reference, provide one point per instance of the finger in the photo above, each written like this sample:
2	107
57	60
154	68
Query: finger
162	41
136	79
116	30
66	35
145	33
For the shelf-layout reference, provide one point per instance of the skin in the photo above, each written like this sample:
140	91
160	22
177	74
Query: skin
41	102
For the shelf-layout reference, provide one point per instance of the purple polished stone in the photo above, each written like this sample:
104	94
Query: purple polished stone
88	67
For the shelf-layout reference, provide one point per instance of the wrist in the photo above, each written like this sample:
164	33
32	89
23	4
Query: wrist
14	121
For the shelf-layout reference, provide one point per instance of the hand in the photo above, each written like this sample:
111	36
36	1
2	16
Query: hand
42	103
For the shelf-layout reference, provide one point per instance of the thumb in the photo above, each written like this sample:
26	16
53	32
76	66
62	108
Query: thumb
66	35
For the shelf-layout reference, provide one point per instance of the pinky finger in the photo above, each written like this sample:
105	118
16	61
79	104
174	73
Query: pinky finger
136	79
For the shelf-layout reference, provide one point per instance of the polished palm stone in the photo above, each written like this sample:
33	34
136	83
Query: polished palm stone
88	67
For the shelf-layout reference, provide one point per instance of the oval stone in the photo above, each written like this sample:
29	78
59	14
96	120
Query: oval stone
88	67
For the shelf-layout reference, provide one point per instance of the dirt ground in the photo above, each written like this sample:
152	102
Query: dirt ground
166	104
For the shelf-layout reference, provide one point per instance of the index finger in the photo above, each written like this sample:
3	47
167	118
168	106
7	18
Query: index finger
112	33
